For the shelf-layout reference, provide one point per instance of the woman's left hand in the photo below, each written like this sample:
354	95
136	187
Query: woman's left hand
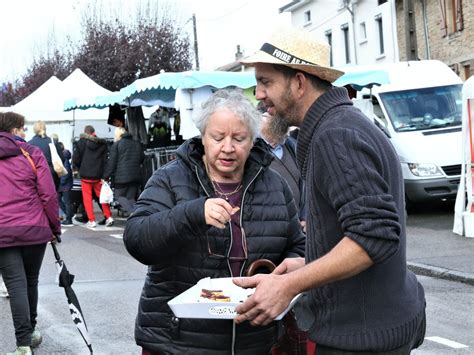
217	212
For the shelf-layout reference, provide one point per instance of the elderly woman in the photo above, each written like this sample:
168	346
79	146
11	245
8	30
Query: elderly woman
28	221
186	227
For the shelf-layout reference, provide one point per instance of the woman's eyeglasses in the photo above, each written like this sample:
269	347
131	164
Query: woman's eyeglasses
213	254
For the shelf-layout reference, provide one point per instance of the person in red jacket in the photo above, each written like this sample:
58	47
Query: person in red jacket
28	221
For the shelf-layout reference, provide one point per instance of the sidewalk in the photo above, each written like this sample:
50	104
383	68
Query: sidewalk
434	250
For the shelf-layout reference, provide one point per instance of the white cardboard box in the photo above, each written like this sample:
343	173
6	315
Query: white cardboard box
190	304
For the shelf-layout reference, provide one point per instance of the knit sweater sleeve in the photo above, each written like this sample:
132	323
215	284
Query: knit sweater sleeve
350	175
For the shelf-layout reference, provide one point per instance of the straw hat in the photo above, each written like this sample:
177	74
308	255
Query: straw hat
298	50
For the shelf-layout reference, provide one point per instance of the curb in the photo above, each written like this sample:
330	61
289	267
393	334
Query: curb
441	273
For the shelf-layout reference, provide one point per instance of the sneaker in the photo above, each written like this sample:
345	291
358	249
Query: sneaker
67	223
3	290
22	350
102	222
36	339
109	222
77	222
91	224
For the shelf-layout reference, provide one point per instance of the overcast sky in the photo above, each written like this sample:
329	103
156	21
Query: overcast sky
221	26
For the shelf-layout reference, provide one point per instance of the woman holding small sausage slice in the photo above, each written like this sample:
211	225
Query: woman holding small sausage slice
210	213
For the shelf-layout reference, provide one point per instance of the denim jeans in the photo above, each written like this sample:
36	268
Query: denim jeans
64	199
20	267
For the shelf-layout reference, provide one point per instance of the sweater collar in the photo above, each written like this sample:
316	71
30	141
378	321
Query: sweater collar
316	114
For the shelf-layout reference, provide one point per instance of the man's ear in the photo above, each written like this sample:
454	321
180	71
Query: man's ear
301	84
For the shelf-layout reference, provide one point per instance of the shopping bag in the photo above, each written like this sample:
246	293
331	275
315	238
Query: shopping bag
106	193
58	165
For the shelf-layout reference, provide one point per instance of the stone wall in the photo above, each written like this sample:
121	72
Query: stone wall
456	49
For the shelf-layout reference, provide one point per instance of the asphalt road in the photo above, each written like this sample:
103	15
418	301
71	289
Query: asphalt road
108	284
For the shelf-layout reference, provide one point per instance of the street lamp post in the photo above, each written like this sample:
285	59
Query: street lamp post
196	52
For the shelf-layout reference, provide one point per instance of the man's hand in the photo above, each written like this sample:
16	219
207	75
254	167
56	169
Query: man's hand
271	297
289	265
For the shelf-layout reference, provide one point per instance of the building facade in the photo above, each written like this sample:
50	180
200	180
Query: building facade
376	31
360	32
441	29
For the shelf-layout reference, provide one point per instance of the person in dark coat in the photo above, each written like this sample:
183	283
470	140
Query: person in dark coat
90	155
362	297
28	221
283	147
186	227
65	187
124	168
41	140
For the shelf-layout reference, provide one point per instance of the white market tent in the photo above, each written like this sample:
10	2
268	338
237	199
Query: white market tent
464	207
41	101
46	104
185	91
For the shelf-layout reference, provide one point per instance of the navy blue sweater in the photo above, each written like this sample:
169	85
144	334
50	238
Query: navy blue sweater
355	189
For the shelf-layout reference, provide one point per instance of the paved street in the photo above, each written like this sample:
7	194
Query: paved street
108	284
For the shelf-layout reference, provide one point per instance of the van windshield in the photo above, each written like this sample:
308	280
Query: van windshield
427	108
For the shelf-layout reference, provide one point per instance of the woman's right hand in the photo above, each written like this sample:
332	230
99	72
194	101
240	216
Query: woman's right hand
217	212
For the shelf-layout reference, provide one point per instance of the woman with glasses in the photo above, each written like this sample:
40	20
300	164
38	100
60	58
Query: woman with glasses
210	213
28	221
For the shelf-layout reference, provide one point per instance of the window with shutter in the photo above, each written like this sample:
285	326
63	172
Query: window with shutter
459	16
443	22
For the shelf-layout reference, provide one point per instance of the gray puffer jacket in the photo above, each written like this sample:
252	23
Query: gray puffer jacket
168	232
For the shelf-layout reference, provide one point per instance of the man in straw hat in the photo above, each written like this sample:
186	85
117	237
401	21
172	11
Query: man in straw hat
362	296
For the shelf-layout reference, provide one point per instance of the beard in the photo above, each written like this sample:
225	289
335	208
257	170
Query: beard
278	128
285	117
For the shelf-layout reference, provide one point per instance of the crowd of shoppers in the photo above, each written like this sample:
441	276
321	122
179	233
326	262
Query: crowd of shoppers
229	200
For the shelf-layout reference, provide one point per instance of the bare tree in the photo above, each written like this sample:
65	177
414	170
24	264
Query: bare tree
114	51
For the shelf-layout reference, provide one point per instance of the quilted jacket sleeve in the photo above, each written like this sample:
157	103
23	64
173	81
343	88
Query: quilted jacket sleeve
159	225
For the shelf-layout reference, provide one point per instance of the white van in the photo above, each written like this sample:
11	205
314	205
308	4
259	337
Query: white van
420	109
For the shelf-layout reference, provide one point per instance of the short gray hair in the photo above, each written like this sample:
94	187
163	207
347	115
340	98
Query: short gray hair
236	102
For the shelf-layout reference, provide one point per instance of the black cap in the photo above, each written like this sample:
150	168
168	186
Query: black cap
116	112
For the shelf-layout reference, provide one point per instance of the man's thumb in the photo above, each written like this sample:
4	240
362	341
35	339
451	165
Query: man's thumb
245	282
